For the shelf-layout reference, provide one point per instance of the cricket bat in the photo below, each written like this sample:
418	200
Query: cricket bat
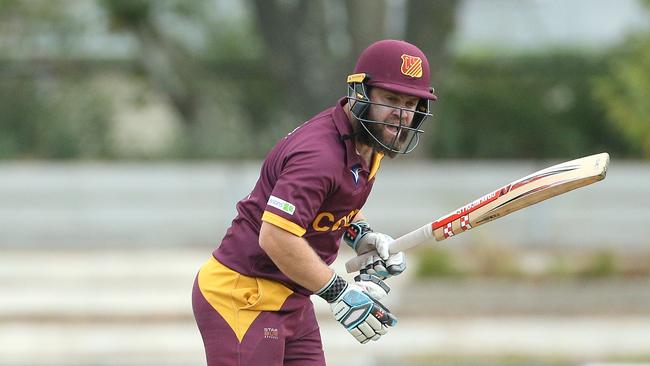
521	193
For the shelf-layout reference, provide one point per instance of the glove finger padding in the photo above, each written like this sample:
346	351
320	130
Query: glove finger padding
394	265
376	290
375	266
362	239
376	241
370	330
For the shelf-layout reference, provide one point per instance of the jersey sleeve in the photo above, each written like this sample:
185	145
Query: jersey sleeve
305	180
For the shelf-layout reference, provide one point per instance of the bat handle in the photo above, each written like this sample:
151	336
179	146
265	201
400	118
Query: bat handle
406	241
355	263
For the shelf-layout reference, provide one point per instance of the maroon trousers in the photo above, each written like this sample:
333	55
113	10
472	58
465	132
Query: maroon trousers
247	321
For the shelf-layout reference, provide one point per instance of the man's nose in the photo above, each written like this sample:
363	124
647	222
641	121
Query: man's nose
400	114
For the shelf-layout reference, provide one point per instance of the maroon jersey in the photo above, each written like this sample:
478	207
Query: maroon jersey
312	184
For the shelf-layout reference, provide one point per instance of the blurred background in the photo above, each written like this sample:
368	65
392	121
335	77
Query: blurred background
130	128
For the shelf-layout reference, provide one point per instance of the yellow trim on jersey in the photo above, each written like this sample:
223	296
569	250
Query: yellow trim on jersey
283	223
237	298
376	160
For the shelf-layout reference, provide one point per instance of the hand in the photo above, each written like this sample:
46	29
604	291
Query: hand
372	285
360	237
359	312
393	266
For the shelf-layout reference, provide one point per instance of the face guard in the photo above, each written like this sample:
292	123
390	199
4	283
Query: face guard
406	137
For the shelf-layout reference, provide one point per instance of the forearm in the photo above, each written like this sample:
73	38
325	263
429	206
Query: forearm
294	257
359	217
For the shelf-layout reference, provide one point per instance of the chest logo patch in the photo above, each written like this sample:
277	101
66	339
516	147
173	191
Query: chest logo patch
355	173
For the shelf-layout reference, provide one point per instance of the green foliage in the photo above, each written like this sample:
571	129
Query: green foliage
603	264
237	88
560	267
435	263
536	106
625	91
128	13
61	121
495	260
499	262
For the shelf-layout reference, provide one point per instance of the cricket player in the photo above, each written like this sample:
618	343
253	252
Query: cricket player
251	299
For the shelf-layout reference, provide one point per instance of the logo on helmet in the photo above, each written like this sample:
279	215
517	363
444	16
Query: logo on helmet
411	66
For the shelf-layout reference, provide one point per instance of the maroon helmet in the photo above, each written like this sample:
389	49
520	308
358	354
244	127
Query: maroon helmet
399	67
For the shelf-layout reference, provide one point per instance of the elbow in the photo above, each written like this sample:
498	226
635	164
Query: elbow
266	238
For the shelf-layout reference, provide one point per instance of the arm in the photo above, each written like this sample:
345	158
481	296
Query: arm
294	257
361	314
359	217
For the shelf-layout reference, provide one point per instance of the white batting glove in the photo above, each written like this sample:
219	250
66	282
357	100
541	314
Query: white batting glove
361	314
393	266
372	285
360	237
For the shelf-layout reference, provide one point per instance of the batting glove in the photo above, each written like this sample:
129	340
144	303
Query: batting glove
360	237
354	308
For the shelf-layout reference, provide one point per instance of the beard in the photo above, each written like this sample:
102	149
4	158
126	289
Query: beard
375	131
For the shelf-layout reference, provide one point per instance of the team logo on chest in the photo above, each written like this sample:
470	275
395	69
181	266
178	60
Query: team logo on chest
355	173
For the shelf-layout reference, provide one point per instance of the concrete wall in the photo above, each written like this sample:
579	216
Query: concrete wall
108	303
96	205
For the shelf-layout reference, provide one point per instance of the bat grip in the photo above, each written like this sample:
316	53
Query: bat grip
354	264
406	241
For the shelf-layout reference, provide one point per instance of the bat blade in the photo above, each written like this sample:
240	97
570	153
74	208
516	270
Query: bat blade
529	190
522	193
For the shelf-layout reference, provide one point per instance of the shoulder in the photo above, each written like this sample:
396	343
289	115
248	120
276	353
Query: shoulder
318	141
320	127
312	151
325	156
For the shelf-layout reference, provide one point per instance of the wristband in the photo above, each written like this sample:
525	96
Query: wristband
333	288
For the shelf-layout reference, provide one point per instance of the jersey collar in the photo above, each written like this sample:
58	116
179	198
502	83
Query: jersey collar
344	128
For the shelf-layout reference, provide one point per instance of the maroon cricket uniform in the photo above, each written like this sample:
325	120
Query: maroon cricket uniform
312	184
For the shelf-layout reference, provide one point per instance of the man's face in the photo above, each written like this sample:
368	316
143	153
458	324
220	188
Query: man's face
396	109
